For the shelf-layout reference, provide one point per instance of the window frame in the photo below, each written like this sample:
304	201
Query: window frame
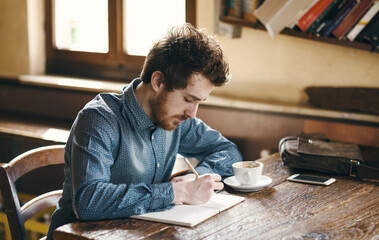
113	65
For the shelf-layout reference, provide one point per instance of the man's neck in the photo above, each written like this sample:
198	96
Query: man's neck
143	94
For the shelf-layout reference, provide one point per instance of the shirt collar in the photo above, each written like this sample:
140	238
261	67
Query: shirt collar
133	109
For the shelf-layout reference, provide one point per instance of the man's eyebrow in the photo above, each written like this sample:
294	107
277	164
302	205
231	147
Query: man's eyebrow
196	98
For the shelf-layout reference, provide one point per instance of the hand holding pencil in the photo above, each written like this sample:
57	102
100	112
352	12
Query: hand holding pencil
195	191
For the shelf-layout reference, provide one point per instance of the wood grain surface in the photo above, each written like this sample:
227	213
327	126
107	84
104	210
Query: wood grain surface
347	209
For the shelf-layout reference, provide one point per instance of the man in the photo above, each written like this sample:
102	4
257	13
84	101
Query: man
122	147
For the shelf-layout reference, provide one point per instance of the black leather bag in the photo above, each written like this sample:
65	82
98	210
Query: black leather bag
316	153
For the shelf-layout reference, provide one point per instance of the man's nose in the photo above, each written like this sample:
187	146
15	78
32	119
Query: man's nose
192	111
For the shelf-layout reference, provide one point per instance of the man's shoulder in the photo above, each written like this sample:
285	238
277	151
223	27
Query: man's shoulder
104	107
104	102
191	124
195	121
95	120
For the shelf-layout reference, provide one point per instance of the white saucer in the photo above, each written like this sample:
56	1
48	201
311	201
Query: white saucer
233	183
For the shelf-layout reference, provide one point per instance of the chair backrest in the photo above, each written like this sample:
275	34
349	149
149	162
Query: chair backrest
19	166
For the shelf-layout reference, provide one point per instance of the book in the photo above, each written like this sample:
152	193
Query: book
371	33
312	14
324	14
260	2
353	17
191	215
248	10
268	9
330	16
363	21
276	15
360	36
338	19
293	22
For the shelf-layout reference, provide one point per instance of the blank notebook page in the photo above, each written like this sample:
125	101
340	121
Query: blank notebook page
191	215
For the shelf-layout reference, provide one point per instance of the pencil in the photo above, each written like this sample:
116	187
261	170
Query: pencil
189	165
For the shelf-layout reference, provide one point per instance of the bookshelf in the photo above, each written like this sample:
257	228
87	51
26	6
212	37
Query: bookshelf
227	16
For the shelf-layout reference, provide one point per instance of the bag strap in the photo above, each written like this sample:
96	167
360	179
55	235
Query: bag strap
358	167
363	171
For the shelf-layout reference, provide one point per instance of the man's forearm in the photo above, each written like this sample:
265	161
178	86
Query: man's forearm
103	200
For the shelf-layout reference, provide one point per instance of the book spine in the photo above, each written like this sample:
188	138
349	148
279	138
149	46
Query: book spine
360	36
312	14
325	13
336	21
363	22
351	18
372	32
327	19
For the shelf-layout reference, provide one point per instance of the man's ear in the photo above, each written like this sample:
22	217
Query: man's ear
157	81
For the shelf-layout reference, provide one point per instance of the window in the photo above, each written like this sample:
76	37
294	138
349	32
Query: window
107	39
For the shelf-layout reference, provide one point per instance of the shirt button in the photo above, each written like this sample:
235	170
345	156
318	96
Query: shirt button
152	137
158	165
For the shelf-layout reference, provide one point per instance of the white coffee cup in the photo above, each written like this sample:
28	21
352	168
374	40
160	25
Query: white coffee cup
247	175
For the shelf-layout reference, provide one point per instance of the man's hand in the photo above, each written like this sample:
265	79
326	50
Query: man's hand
191	190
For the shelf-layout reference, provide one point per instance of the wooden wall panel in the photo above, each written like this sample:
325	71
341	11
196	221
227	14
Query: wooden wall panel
343	132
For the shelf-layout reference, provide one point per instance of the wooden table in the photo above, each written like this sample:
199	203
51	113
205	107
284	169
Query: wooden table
347	209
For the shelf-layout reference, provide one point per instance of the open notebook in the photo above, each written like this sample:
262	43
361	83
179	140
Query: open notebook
191	215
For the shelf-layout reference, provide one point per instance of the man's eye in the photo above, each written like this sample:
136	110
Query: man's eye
187	100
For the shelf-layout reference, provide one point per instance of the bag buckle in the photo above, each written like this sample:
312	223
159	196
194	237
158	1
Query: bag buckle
307	140
353	167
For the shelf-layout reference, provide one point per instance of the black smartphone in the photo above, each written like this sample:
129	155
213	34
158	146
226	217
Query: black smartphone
311	179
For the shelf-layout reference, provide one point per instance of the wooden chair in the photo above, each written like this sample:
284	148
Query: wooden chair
19	166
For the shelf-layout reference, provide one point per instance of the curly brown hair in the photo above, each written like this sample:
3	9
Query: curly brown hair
183	52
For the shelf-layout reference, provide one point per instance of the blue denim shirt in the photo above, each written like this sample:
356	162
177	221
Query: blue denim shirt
118	163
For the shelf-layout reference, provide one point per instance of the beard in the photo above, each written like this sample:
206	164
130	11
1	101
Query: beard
160	114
